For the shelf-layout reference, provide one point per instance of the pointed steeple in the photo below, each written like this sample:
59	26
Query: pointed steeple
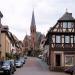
33	19
1	15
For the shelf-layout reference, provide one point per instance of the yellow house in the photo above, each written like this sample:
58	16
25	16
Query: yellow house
6	41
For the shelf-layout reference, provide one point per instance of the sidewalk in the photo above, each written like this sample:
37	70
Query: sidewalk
45	68
43	65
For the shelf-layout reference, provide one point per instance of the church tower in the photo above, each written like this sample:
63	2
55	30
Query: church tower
33	32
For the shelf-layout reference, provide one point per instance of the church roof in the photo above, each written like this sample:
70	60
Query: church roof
33	19
67	17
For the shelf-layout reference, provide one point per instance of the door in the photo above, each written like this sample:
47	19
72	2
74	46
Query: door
58	60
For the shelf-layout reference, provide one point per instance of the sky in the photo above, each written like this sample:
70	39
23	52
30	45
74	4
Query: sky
17	14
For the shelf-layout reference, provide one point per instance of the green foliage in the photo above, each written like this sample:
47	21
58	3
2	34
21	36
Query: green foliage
10	56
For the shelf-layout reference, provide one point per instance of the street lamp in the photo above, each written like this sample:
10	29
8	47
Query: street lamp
1	15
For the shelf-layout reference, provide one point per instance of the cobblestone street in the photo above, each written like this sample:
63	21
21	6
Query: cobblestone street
35	66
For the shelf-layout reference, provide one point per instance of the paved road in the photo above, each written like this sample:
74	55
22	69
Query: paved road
35	66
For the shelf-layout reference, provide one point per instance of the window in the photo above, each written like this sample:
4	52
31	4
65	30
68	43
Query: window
69	25
64	24
69	60
58	40
72	25
67	39
26	44
33	30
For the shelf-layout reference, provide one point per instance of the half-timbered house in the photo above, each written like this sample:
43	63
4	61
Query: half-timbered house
61	38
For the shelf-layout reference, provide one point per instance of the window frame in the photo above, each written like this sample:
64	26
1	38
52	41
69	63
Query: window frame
56	40
67	59
65	39
65	25
69	23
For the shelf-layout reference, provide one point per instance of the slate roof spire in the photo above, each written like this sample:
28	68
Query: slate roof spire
33	19
1	15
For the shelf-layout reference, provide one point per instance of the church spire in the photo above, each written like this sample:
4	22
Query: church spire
33	19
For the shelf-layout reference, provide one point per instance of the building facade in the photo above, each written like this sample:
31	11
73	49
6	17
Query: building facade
27	45
61	39
8	43
5	42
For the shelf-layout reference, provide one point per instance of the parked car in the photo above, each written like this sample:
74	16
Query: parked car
1	70
7	67
70	70
40	56
22	60
13	64
18	63
25	57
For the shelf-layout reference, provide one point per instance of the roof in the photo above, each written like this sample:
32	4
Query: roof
5	28
67	17
15	37
27	37
33	20
1	15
